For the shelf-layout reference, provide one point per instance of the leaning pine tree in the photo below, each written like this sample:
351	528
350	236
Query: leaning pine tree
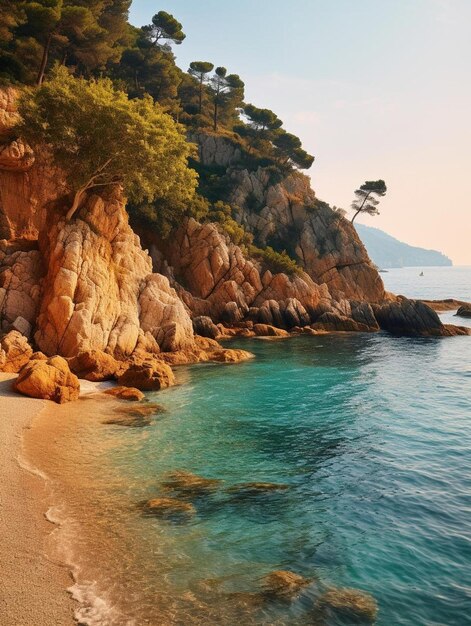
367	197
98	138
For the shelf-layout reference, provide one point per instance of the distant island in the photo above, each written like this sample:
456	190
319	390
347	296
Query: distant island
387	251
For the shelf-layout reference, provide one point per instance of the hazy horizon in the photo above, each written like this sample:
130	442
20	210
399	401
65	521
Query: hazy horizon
374	90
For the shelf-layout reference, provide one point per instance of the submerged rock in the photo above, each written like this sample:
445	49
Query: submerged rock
168	507
256	488
135	416
190	484
125	393
49	379
349	603
284	585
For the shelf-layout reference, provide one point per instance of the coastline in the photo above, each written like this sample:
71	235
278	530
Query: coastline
34	589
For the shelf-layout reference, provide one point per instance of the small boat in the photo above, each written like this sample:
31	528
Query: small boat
421	274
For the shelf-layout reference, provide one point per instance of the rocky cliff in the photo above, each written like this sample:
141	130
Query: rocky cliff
89	286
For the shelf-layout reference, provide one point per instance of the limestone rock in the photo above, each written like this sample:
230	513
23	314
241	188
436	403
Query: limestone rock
148	376
215	149
49	380
15	352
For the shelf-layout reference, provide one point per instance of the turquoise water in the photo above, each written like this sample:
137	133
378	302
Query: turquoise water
371	433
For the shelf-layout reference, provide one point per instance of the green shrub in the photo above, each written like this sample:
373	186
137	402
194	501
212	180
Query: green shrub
276	262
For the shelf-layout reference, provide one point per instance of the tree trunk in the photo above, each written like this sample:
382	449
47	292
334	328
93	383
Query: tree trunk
76	203
361	207
201	94
216	105
42	69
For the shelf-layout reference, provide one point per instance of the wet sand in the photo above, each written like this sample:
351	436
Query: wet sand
32	588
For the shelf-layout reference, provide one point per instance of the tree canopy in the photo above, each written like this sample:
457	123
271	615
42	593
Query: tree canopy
367	197
100	138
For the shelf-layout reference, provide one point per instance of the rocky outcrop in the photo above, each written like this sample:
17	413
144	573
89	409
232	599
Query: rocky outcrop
413	317
222	283
21	270
15	352
49	379
464	310
216	149
99	292
286	215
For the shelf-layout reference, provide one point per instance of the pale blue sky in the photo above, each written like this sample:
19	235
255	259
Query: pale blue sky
374	88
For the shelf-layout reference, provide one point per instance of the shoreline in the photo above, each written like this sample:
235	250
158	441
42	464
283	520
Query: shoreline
34	589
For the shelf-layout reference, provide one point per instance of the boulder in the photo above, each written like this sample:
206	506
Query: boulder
412	317
15	352
333	321
283	585
150	376
265	330
464	311
94	365
351	604
49	379
125	393
205	327
229	355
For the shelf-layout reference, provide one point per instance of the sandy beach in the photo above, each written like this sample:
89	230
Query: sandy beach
32	588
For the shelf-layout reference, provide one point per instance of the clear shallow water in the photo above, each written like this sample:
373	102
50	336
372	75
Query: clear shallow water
371	433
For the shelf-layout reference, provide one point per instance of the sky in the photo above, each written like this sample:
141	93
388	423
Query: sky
374	89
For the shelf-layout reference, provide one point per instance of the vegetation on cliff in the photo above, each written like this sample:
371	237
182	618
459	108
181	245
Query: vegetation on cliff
99	137
89	74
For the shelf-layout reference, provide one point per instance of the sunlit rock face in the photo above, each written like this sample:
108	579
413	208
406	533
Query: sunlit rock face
99	291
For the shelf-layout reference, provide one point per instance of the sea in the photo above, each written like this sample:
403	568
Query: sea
369	437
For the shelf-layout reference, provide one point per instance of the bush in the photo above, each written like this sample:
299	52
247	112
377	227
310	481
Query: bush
276	262
99	137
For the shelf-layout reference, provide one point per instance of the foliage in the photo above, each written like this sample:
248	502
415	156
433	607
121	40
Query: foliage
164	27
99	138
81	35
366	197
276	262
221	213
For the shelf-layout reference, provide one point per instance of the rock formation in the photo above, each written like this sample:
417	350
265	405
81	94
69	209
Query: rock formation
86	289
